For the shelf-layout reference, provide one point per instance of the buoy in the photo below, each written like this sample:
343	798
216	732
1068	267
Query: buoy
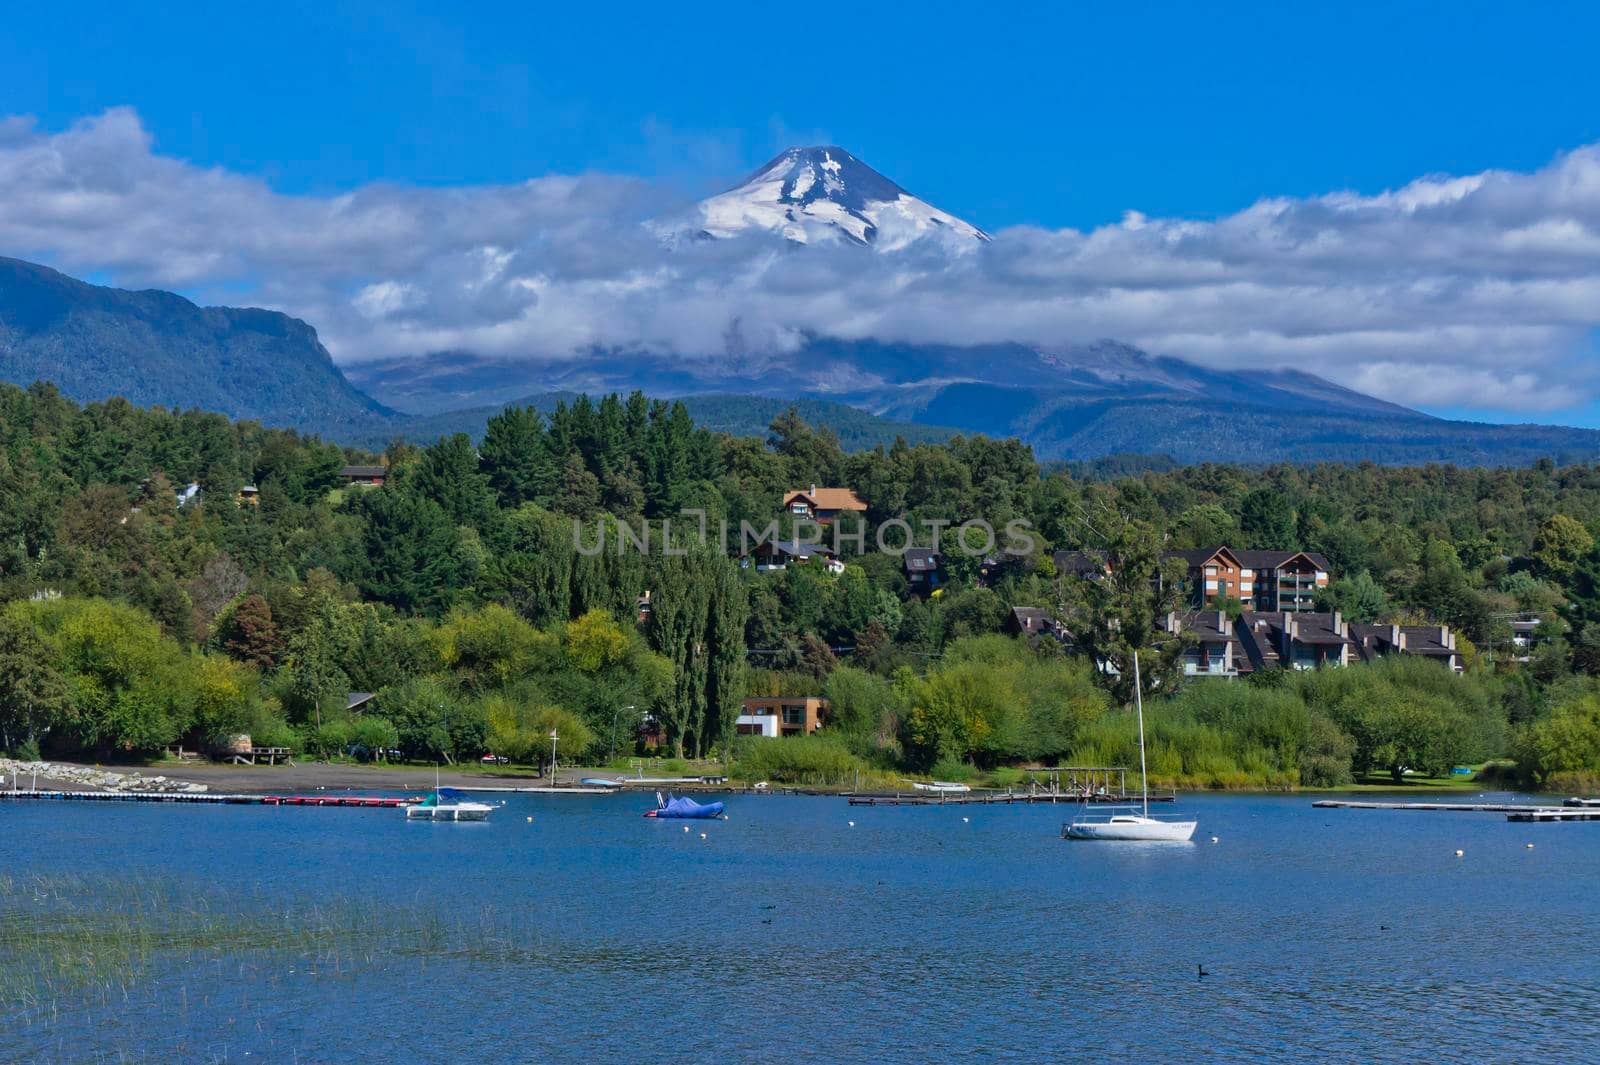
966	820
702	835
1214	839
530	820
1530	846
852	824
1459	853
686	828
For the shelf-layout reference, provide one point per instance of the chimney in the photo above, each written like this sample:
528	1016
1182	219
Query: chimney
1397	639
1222	621
813	489
1444	636
1338	623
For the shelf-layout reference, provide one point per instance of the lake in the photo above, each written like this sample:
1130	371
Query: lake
788	935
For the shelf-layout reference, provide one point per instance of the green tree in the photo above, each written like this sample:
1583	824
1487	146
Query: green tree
1557	547
1357	597
1267	520
34	697
249	634
516	457
1115	617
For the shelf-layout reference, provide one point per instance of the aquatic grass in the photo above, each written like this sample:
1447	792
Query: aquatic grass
65	936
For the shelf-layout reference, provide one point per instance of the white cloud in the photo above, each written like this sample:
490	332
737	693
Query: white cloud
1478	291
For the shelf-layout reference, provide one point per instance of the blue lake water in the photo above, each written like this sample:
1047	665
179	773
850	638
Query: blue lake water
788	935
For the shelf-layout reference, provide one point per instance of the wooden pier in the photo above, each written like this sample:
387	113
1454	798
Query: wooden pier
204	798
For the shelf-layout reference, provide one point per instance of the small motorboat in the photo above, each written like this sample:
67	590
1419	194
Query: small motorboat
600	782
945	787
448	804
682	807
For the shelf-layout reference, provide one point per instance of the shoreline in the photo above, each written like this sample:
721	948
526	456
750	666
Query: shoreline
311	777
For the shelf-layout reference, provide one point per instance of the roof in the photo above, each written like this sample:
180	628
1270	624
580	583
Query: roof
1039	621
363	471
1275	559
1310	627
1207	625
1201	555
1424	640
793	548
356	700
1248	559
828	498
1078	562
921	558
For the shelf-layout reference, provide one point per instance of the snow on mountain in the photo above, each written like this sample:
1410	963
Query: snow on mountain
822	194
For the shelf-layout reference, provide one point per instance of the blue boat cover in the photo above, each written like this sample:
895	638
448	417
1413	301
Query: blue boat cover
683	807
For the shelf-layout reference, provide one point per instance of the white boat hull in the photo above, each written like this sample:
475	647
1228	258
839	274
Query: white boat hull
1146	829
464	811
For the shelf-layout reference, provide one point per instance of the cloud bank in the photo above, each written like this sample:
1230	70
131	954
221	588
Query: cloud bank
1480	292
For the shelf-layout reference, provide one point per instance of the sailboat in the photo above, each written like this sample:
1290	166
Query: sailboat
1138	826
447	804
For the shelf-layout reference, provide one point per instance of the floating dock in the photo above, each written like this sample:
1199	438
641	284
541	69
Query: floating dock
1460	807
205	798
962	798
546	789
1514	811
1557	813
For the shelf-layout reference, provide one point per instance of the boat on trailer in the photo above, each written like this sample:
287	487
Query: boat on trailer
1135	825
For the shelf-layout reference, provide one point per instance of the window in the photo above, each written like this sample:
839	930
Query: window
1211	571
794	713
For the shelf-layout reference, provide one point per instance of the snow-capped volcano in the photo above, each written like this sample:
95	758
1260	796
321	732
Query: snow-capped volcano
813	195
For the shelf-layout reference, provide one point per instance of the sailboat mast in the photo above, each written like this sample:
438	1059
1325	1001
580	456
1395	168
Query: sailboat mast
1138	702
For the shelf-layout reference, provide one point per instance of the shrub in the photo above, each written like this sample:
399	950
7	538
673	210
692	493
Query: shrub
815	759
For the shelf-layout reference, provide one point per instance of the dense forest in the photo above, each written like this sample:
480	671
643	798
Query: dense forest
139	612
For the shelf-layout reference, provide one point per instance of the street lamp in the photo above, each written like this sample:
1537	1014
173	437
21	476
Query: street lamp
552	756
614	715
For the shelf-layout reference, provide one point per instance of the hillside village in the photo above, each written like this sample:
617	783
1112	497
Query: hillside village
458	592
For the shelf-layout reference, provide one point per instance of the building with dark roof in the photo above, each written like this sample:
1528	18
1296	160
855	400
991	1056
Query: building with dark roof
1086	564
1036	621
366	476
1296	639
1214	648
1260	580
777	554
1430	641
924	569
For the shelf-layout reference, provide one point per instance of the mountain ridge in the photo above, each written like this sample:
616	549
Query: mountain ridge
1068	402
157	348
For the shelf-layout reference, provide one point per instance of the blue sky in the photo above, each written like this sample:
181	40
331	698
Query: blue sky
1050	114
361	165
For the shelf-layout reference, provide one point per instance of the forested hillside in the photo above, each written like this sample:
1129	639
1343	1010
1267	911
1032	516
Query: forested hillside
458	593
